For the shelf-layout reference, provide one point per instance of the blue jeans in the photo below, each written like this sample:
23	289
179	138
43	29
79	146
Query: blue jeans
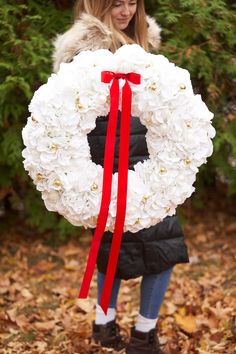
152	292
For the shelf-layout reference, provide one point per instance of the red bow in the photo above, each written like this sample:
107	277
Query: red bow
123	164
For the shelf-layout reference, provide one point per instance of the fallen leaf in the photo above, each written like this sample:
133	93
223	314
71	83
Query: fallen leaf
194	259
187	323
71	252
216	337
40	346
85	305
60	291
22	321
201	238
40	314
169	308
72	265
220	311
26	294
44	266
233	325
45	326
66	321
3	290
12	314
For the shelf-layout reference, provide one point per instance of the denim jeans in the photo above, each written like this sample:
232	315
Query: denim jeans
152	292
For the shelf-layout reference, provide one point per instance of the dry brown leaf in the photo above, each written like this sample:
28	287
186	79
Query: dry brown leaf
187	323
3	290
126	290
201	238
26	294
71	251
194	259
170	308
72	265
230	117
44	266
178	297
4	282
22	321
217	337
220	311
45	326
12	314
86	305
60	291
40	346
213	322
66	321
201	294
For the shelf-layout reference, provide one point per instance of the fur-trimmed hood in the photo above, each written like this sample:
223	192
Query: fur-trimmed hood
89	33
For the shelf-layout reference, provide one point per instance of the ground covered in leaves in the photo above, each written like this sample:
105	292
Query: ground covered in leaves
39	284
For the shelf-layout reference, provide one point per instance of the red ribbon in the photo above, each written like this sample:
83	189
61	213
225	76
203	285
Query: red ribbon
123	164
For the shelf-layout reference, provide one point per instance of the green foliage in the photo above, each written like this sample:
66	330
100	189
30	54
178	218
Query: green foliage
224	157
26	32
198	35
38	217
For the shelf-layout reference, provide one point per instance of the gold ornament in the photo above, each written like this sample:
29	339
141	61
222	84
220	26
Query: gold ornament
182	87
149	120
163	170
78	104
153	87
167	210
57	183
94	219
54	147
34	119
94	187
145	199
187	162
39	177
188	124
108	100
137	221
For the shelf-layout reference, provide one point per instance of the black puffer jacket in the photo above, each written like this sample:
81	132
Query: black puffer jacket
148	251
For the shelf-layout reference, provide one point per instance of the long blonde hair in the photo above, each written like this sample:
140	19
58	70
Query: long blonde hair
101	9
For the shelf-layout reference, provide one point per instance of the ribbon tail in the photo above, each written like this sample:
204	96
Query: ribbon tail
123	165
106	189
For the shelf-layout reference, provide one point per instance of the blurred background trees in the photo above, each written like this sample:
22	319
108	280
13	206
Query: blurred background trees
198	35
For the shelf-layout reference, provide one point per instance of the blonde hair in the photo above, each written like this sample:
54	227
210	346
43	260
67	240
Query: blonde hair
101	9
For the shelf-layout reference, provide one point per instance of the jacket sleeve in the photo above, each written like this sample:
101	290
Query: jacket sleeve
87	33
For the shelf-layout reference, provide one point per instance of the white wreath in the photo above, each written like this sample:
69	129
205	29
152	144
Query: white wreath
64	110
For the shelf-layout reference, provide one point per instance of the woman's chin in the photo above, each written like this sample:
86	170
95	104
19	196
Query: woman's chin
122	26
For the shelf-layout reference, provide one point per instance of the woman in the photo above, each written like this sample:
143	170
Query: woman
150	253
